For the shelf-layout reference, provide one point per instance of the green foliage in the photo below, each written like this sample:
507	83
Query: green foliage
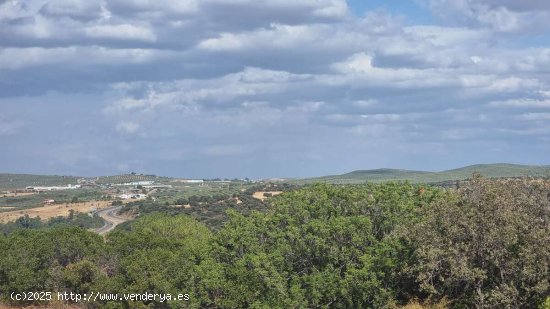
323	246
75	219
80	276
33	260
487	247
208	209
159	254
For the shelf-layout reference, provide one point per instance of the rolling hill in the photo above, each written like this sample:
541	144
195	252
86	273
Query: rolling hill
12	181
125	178
18	181
386	174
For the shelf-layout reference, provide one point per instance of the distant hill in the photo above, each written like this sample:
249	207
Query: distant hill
17	181
489	170
126	178
13	181
20	181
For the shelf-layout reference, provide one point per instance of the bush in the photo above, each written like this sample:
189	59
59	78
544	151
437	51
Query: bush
486	247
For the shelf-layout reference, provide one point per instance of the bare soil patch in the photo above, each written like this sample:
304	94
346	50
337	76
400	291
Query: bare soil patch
181	206
260	194
12	194
55	210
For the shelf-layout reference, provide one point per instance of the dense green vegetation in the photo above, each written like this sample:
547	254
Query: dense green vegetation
386	245
210	206
74	219
195	190
386	174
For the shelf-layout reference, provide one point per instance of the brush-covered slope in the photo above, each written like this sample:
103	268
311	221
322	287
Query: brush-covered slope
386	174
18	181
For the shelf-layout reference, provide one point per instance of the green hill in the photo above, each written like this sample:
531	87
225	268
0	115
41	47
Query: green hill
126	178
386	174
12	181
18	181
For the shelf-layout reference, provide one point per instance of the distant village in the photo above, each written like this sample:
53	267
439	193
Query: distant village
122	191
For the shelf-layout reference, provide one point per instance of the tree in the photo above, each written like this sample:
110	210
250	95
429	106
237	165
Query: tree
33	260
322	246
486	247
159	253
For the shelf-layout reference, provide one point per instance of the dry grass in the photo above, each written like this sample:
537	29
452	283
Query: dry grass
260	194
12	194
186	206
51	211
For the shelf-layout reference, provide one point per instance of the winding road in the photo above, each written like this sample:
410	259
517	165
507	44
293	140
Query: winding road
112	219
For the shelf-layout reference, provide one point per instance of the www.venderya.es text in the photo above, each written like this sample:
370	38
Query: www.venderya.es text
96	296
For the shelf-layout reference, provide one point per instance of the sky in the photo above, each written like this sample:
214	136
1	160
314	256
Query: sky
271	88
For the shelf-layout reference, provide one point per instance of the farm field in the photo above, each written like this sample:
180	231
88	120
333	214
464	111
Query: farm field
15	194
31	200
51	211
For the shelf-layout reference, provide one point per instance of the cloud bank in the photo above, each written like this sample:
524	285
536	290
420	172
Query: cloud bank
268	88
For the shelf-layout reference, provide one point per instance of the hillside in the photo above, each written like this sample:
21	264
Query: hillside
117	179
489	170
19	181
13	181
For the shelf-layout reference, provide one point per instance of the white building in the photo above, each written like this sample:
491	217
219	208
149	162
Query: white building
53	188
127	196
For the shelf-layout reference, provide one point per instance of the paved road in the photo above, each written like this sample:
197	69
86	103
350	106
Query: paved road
110	215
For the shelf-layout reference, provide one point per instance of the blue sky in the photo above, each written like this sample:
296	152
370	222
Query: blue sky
271	88
414	11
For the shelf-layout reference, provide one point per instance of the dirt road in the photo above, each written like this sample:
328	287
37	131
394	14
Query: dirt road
112	219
